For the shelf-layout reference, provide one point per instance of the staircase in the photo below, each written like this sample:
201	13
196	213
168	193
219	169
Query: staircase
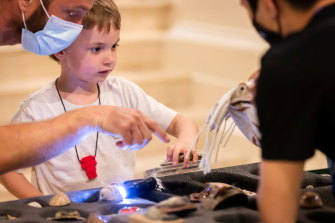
186	54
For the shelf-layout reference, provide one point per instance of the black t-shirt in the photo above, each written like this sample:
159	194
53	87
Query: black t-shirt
296	92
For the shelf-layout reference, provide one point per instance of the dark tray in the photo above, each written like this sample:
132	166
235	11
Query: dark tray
242	176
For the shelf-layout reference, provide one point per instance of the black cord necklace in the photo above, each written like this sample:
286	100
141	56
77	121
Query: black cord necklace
88	163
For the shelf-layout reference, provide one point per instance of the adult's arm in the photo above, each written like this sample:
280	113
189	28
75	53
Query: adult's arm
279	190
29	144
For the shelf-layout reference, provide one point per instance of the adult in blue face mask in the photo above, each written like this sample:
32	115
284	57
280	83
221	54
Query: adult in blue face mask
56	35
29	144
37	16
295	97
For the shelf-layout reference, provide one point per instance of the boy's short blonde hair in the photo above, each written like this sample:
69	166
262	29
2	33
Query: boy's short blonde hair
103	15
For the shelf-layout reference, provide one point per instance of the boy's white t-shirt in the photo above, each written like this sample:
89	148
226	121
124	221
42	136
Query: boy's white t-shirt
64	173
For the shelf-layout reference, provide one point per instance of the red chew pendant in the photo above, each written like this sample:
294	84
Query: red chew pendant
88	163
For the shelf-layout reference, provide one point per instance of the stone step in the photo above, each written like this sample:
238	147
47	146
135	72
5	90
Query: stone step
186	47
146	14
180	91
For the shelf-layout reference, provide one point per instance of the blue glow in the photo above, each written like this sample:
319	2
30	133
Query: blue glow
122	191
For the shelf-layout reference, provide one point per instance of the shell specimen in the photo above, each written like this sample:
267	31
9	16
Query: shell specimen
220	195
111	193
60	199
35	204
66	216
94	218
178	205
310	199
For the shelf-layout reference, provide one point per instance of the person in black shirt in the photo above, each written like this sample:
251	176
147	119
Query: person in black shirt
295	97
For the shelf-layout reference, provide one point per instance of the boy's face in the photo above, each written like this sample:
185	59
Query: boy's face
92	56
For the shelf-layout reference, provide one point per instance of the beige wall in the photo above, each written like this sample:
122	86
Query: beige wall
218	12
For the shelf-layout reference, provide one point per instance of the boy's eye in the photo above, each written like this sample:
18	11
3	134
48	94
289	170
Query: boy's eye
96	49
115	46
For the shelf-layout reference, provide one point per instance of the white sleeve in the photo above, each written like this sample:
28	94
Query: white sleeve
22	115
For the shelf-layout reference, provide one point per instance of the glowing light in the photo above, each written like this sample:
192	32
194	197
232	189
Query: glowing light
122	191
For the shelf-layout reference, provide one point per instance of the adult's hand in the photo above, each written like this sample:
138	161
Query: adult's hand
29	144
133	127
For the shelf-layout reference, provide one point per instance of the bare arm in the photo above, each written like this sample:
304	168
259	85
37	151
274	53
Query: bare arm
18	185
29	144
185	131
278	192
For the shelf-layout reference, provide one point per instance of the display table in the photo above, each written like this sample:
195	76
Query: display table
245	177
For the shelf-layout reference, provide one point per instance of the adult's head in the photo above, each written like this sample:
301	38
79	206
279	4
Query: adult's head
275	19
13	11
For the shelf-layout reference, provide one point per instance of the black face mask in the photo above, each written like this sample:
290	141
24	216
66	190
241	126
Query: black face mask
269	36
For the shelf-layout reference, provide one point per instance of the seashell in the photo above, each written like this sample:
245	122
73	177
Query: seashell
7	217
177	205
60	199
154	213
66	216
111	193
35	204
309	186
310	199
173	202
223	195
94	218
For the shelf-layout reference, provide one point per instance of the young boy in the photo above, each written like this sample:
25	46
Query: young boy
97	160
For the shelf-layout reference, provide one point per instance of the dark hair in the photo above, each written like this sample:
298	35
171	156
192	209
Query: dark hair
253	5
297	4
104	14
302	4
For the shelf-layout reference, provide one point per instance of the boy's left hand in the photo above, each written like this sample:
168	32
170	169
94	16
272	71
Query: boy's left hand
174	150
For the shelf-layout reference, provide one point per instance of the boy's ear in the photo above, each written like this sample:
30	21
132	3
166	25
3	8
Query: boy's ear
24	4
60	55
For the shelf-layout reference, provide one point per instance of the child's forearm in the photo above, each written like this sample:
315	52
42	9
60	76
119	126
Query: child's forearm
183	128
19	186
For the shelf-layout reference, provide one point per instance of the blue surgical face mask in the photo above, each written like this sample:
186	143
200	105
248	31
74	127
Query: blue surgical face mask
56	35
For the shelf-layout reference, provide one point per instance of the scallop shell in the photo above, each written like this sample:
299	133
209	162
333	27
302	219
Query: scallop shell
35	204
154	213
173	202
7	217
310	199
111	193
94	218
60	199
66	216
